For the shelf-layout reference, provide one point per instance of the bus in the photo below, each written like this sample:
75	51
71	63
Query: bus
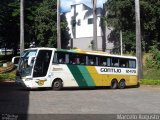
59	68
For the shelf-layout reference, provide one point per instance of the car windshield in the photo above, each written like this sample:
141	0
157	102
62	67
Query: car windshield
24	68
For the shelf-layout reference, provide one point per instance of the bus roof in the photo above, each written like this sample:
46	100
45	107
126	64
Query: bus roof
100	53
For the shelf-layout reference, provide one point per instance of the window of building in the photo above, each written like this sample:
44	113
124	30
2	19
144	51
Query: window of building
79	22
90	21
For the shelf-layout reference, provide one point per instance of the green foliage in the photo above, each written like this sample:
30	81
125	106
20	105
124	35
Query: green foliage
10	76
150	82
45	24
151	73
153	61
121	16
40	19
129	41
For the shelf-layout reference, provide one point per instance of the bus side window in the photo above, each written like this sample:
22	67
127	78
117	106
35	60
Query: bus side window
102	61
115	62
108	62
132	63
82	59
55	58
92	60
123	63
61	57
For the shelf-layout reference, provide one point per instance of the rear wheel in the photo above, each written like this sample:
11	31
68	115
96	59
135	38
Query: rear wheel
122	84
57	85
138	85
114	84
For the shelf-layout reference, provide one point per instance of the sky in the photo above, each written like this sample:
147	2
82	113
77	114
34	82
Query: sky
66	4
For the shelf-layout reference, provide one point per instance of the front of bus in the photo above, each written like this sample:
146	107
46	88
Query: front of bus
24	70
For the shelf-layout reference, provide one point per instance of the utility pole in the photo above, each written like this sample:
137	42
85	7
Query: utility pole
21	26
94	25
121	42
58	25
138	40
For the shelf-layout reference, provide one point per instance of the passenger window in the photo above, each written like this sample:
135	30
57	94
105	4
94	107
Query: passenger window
123	63
82	59
92	60
115	62
108	61
102	61
132	63
61	59
73	59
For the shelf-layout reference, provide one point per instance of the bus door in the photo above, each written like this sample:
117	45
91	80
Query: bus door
41	68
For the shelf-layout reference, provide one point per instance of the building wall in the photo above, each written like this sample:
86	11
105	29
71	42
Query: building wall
84	31
86	43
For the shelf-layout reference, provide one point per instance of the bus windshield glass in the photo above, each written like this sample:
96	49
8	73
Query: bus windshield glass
24	68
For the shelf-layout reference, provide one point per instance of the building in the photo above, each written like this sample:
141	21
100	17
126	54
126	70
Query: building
80	23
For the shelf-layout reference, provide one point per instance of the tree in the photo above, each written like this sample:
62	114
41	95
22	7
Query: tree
46	25
121	16
39	24
9	32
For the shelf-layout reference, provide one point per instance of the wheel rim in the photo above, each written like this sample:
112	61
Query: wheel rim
56	84
122	84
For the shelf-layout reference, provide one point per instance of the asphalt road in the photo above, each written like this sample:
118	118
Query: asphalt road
14	100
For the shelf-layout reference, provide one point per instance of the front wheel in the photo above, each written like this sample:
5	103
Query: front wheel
57	85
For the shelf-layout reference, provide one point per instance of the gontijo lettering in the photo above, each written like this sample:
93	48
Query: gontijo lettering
110	70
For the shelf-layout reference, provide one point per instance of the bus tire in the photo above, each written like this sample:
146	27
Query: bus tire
121	84
114	84
138	85
57	84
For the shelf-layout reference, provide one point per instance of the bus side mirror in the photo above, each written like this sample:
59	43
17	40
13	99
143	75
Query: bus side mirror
31	61
15	60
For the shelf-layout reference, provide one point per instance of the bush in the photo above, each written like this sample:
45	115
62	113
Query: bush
10	76
153	61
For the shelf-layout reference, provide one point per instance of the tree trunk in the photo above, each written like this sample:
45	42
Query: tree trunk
138	40
94	25
58	25
21	26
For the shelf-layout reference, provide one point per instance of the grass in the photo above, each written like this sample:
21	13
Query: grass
151	77
151	74
8	76
150	82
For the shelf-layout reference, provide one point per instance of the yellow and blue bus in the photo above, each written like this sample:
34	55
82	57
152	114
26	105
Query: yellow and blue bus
59	68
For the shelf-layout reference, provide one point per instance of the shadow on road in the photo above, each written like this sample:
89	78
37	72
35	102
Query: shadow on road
13	101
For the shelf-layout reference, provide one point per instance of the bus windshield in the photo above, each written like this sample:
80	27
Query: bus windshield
24	68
